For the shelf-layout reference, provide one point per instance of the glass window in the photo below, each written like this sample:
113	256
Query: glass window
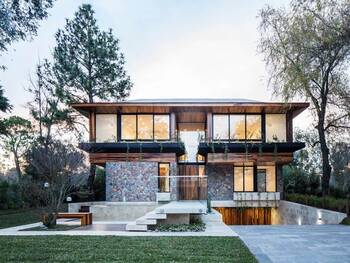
270	173
220	127
243	179
161	127
237	127
238	179
163	179
145	127
106	127
276	127
128	127
253	127
261	180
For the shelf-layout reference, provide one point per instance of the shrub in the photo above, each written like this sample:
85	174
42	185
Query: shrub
10	195
328	202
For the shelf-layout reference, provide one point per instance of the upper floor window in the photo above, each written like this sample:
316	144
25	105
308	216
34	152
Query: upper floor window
237	127
276	128
145	127
106	127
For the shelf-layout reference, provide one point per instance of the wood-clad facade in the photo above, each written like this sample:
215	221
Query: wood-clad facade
243	144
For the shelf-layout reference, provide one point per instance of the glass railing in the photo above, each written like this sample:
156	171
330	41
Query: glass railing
192	187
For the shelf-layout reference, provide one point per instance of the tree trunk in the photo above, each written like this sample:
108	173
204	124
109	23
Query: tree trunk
18	167
326	167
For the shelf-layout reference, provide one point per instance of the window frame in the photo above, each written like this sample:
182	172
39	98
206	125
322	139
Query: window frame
95	124
262	130
254	180
159	176
137	126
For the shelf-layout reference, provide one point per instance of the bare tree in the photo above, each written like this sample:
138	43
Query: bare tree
60	168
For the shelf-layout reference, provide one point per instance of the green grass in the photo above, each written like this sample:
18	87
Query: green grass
9	218
123	249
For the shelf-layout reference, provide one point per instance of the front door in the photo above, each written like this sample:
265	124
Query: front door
192	183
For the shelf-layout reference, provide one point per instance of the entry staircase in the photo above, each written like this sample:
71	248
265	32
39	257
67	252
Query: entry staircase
162	212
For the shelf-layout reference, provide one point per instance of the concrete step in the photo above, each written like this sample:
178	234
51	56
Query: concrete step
153	215
146	221
135	227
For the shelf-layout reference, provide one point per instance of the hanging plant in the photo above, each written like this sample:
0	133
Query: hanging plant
260	150
275	151
161	147
226	150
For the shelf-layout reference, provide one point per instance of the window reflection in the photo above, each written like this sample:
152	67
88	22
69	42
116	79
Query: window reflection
253	127
275	127
220	127
145	127
237	127
161	127
106	128
128	127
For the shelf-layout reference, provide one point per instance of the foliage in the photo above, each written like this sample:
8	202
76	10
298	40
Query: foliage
10	196
327	202
5	105
307	49
88	61
20	19
100	185
345	221
17	138
123	249
46	108
60	168
194	227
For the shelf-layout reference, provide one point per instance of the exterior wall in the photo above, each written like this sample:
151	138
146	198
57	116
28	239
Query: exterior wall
220	181
290	213
134	181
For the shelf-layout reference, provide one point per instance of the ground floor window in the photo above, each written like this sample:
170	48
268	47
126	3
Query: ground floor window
243	179
163	179
254	178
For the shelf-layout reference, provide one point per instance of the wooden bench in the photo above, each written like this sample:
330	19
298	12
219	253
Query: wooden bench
85	218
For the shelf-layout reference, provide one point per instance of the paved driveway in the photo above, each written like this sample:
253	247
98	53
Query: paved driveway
312	243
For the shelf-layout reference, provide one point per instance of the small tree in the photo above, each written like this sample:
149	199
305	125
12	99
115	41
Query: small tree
60	168
17	139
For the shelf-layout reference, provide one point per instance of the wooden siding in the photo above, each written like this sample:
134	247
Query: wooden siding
92	126
191	188
245	216
261	158
102	158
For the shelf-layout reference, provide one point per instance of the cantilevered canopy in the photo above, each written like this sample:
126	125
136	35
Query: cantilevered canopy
193	105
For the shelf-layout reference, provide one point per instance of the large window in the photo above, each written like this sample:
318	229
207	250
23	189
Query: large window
128	128
145	127
253	124
237	127
161	127
220	127
276	127
266	178
106	127
163	179
243	179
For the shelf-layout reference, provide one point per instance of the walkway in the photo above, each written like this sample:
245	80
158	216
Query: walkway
291	243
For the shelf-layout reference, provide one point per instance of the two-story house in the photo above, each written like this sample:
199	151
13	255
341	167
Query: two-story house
228	150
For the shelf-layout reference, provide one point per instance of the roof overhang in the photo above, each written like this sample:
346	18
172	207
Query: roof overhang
172	106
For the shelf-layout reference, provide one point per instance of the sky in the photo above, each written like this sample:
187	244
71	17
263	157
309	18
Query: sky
173	48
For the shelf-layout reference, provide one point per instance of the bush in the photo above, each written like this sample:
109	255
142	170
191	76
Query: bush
10	195
193	227
99	186
328	202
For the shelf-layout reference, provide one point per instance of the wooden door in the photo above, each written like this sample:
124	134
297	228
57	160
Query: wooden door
191	188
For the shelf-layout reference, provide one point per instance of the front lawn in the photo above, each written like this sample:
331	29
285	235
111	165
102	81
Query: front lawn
123	249
12	217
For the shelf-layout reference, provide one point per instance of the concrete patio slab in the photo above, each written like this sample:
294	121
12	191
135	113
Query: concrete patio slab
297	244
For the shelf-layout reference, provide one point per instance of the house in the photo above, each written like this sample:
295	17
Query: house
228	150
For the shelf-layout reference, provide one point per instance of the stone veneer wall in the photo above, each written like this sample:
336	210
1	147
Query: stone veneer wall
135	181
220	181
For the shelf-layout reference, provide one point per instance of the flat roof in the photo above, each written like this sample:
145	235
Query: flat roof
215	105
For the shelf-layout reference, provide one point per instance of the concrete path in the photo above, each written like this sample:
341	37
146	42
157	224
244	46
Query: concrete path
110	228
292	243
